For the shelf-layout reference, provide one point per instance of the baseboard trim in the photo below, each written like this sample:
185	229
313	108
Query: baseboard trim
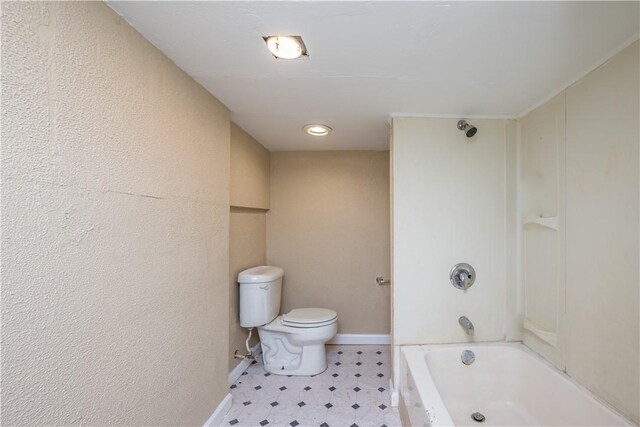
218	415
243	365
361	339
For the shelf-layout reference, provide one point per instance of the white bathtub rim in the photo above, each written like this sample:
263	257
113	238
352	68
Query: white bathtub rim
418	351
426	387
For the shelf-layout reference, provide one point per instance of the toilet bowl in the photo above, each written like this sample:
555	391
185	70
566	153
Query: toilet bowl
292	343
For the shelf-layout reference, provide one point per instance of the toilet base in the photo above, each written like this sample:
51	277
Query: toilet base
295	351
312	360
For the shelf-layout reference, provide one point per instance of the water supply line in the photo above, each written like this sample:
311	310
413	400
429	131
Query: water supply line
249	355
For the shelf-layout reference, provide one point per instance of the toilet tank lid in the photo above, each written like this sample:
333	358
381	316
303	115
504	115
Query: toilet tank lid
260	274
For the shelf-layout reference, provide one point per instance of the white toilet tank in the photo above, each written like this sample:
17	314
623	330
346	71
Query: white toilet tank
260	293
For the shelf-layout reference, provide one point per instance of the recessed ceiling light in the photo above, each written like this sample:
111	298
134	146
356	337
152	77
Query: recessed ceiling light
317	130
286	47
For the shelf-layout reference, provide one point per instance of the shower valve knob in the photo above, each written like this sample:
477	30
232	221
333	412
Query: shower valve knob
462	276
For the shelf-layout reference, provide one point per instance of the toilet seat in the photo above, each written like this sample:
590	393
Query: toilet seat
309	317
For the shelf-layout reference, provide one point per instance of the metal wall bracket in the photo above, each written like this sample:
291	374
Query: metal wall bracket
382	281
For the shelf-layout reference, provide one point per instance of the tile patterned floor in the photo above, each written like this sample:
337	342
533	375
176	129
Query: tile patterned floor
353	391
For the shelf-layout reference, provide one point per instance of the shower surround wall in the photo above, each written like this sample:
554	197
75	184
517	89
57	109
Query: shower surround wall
579	155
450	204
115	215
541	221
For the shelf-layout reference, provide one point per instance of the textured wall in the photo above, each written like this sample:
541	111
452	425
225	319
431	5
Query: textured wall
250	173
250	178
449	206
328	227
247	248
115	220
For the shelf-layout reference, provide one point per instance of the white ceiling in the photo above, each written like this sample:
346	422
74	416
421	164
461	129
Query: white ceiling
371	60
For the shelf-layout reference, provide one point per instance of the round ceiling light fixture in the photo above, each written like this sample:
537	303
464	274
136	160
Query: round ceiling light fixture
286	47
317	130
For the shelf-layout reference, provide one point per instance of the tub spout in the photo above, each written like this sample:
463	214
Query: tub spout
466	325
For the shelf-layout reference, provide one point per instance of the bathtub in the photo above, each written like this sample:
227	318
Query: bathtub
508	384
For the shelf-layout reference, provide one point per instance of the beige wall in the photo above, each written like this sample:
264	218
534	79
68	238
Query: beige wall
248	226
250	174
115	218
328	227
247	248
599	332
449	206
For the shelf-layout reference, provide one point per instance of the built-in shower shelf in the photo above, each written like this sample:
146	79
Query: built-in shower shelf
546	336
550	222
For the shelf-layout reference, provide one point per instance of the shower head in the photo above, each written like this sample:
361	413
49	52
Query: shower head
468	129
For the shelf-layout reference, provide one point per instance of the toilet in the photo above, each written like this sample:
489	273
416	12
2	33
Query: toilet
292	343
